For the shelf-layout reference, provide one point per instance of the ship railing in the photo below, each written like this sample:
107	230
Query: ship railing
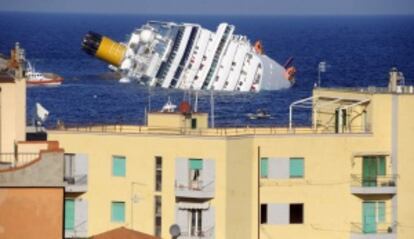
219	131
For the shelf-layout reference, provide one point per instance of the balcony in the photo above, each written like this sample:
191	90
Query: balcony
14	160
79	229
377	231
194	189
76	172
206	234
375	185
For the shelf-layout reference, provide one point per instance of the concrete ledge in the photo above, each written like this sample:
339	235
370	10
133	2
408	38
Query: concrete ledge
374	190
374	236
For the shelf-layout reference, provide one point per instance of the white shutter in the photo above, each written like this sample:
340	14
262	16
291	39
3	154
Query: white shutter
181	172
278	214
278	168
81	218
81	164
208	222
209	175
181	219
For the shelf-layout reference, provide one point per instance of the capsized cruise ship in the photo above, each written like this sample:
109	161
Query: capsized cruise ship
187	56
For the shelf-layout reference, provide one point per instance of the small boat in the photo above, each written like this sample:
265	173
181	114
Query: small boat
34	78
169	107
260	114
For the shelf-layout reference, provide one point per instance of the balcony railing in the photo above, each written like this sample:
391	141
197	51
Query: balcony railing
378	181
386	184
12	160
216	132
204	234
378	228
197	189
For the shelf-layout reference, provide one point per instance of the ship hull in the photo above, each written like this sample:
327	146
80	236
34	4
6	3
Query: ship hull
189	57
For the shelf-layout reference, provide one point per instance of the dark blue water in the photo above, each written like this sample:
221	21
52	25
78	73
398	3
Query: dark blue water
360	51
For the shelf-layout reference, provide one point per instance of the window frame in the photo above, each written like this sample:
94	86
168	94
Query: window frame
113	217
72	227
302	221
290	167
114	172
262	169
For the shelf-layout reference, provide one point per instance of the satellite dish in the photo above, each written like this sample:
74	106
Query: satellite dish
175	230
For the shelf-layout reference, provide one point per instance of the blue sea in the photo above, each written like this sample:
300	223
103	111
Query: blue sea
360	50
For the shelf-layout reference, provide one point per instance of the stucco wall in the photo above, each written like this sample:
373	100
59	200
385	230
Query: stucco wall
31	213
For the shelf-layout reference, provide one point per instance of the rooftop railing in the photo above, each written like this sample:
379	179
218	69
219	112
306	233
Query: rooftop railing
225	131
12	160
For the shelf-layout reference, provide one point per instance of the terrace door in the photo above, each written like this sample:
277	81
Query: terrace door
369	223
369	171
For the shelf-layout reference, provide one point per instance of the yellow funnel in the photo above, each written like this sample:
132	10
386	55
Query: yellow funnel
110	51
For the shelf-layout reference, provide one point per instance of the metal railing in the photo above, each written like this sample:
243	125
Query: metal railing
12	160
358	180
377	228
225	131
196	185
203	234
76	180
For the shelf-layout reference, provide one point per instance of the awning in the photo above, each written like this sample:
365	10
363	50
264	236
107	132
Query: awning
193	205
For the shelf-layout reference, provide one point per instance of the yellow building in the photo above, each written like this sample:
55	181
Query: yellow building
349	175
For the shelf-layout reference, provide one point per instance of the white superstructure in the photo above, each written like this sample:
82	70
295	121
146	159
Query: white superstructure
187	56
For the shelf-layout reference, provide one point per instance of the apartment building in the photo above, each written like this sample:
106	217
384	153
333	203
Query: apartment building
348	175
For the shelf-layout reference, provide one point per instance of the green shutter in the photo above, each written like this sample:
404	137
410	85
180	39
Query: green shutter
264	167
118	166
118	211
69	214
296	167
381	212
196	164
381	166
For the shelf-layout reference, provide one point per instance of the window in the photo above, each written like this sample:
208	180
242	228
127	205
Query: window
264	167
158	173
118	166
263	214
296	213
118	212
69	214
296	168
196	222
158	219
196	166
193	123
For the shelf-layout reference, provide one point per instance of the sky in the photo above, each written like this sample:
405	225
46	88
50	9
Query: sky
234	7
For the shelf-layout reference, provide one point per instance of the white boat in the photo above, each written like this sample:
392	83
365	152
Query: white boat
260	114
34	78
187	56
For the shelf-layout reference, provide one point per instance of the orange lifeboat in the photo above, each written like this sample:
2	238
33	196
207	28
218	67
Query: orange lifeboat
258	47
